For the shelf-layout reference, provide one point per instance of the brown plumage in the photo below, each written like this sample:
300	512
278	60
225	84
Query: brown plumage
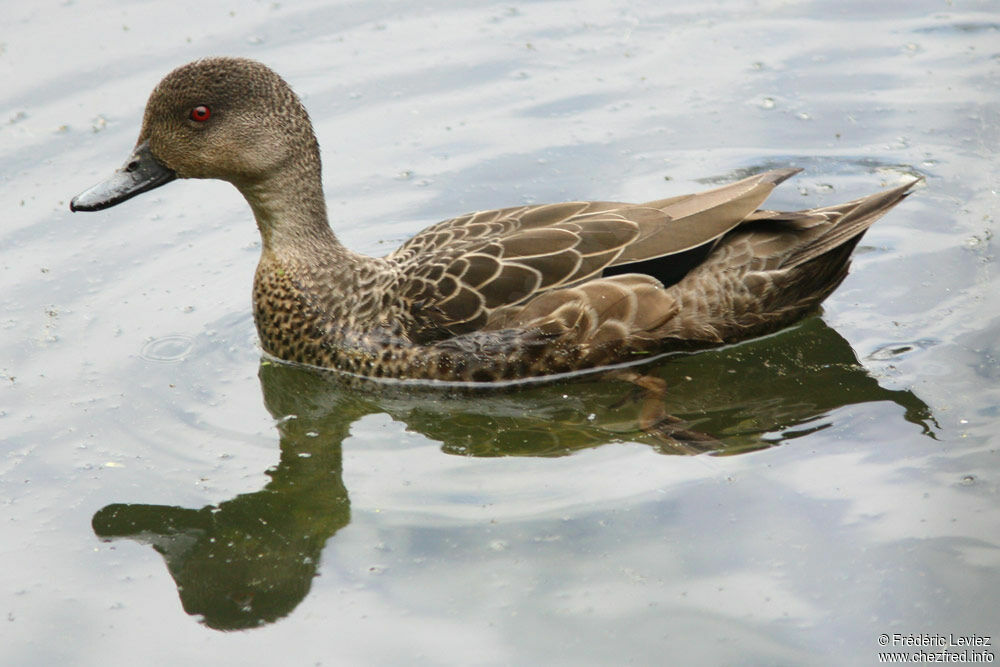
490	296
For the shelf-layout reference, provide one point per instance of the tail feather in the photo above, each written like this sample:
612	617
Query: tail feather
848	221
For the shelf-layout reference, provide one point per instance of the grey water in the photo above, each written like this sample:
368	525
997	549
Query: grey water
171	497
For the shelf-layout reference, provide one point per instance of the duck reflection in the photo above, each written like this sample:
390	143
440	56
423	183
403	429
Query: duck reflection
250	560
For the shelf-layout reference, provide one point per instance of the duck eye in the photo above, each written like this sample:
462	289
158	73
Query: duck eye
200	113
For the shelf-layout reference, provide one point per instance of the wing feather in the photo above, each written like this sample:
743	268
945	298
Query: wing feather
543	264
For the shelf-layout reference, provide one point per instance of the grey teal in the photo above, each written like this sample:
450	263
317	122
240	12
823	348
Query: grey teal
491	296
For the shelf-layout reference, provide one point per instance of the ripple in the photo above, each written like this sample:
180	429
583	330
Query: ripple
901	349
967	27
167	349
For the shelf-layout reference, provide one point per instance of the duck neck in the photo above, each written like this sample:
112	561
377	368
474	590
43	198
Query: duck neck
291	212
301	258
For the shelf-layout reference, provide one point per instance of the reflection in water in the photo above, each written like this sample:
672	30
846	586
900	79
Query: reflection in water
251	560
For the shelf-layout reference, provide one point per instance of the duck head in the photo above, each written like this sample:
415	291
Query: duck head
226	118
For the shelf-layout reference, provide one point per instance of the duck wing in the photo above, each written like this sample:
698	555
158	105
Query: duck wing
454	275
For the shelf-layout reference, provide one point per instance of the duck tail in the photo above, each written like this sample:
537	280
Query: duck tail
849	221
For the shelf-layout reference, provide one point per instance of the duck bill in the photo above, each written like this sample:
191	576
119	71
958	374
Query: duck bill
140	173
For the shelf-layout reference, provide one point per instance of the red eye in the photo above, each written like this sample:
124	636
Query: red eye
200	113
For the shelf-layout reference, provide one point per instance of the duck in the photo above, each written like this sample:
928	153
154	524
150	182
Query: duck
491	297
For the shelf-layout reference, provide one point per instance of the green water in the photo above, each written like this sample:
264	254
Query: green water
170	498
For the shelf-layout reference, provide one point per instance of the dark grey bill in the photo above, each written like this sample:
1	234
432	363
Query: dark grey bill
140	173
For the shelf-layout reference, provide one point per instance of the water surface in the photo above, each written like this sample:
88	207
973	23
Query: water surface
171	498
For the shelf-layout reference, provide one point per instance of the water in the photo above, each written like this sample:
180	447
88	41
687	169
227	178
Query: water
162	486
